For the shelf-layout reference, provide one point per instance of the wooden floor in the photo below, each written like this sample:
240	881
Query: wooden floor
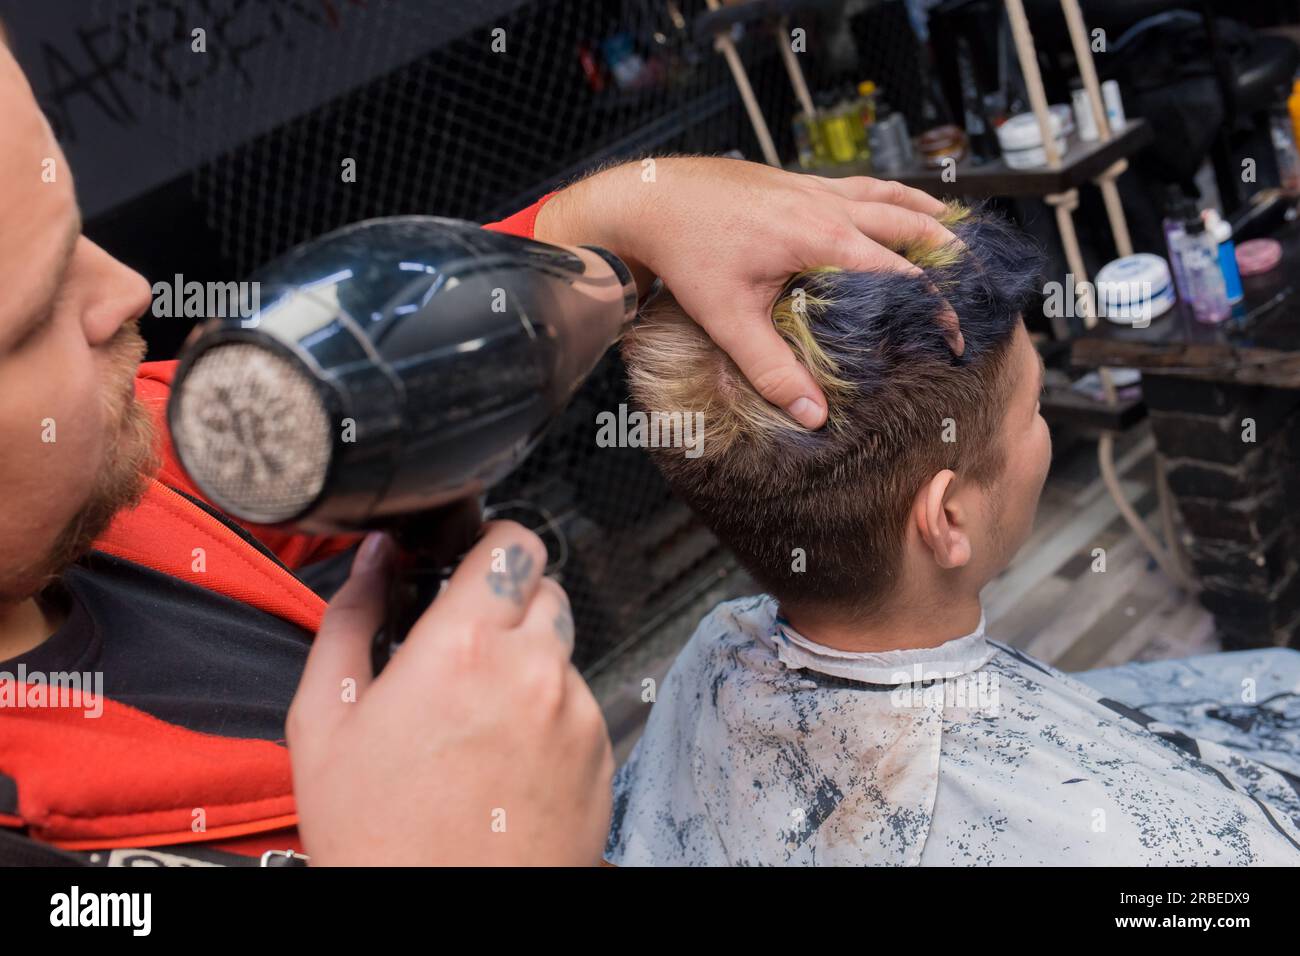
1054	601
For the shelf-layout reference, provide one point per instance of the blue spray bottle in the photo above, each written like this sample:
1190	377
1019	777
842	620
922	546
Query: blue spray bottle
1221	230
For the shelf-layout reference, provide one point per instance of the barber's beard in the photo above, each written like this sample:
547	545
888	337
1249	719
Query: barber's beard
130	459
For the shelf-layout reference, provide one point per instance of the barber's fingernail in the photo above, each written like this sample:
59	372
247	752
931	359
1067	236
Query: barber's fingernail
956	341
806	412
372	554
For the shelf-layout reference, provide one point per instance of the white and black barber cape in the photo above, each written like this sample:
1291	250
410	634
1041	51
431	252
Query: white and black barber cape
764	748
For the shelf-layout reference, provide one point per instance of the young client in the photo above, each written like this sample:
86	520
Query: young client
857	713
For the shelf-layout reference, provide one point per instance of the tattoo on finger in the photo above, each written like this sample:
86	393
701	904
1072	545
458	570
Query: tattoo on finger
564	627
510	570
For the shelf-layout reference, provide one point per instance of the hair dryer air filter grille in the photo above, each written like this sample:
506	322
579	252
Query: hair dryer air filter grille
253	433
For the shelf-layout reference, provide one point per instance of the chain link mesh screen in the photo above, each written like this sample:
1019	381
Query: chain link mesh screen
458	130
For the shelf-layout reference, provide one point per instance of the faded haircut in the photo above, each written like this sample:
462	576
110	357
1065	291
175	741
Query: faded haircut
771	490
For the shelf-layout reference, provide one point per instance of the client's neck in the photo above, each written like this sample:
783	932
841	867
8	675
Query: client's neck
922	621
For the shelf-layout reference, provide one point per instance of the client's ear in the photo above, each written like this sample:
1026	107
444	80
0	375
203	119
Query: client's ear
942	521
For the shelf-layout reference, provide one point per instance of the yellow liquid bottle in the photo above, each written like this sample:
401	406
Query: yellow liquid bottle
1293	107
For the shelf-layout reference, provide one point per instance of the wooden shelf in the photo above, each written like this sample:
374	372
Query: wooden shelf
1259	345
1082	162
1062	404
1067	406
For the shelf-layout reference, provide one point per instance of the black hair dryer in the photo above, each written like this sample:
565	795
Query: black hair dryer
385	377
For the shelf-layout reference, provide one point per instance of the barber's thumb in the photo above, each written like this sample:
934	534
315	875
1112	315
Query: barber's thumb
790	387
339	665
767	360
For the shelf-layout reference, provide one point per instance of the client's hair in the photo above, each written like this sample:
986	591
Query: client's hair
767	487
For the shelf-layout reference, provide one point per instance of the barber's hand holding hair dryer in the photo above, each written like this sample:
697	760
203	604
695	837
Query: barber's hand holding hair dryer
396	370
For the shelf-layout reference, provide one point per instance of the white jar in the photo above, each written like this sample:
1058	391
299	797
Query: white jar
1022	144
1135	289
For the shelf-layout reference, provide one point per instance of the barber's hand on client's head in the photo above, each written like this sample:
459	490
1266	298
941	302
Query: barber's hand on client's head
478	744
726	236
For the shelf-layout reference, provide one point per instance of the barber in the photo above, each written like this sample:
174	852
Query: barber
480	743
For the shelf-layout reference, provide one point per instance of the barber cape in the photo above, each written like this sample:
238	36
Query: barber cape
766	748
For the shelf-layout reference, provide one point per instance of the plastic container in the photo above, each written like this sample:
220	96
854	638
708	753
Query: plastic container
1135	289
1284	145
1257	256
1293	107
1221	230
941	144
891	148
1022	144
1063	112
865	108
867	103
1087	126
1199	253
838	123
856	109
1178	209
1113	105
